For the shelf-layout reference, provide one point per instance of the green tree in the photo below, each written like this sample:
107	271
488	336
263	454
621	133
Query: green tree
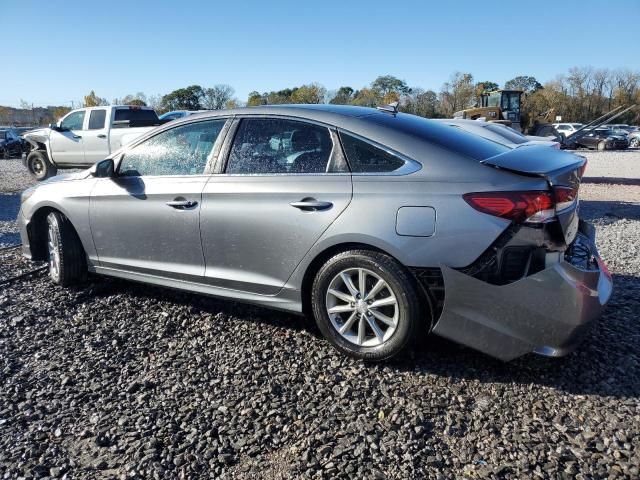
366	97
281	96
524	83
92	100
343	96
485	87
312	93
188	98
255	99
385	84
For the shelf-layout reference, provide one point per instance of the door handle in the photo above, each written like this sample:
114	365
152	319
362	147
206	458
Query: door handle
311	205
102	135
77	136
182	204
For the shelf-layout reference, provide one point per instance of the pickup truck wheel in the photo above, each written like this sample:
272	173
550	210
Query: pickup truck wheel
67	260
39	165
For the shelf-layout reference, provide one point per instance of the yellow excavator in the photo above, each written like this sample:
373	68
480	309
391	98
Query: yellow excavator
498	106
504	106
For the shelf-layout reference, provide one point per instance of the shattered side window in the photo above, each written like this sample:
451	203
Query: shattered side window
272	145
182	150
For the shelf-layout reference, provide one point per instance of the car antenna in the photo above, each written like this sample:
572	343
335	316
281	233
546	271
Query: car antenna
390	108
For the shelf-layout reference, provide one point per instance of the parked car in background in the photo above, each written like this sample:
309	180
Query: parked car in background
499	133
566	129
623	126
10	143
379	225
604	139
176	114
84	136
634	139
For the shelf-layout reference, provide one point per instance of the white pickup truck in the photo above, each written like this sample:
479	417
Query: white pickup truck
85	136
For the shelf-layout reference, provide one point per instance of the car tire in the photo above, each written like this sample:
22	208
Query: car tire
39	165
634	143
67	259
396	323
602	146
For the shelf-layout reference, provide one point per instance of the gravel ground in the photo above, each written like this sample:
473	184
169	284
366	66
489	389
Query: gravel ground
617	164
119	380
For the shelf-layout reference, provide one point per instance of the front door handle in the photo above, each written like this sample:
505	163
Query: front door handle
311	205
182	204
102	135
77	136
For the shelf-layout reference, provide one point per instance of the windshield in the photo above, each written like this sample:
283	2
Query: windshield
506	132
511	101
494	99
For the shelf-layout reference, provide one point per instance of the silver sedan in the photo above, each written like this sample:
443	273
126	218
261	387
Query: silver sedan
376	223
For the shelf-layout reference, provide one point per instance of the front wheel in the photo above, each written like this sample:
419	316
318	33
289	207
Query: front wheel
366	304
39	165
634	143
67	260
602	146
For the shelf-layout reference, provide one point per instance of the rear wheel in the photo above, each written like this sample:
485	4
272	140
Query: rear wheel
67	260
366	304
39	165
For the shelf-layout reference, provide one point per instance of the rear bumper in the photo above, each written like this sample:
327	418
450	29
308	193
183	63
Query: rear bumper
548	312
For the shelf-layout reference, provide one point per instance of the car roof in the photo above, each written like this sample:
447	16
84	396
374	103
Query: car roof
395	131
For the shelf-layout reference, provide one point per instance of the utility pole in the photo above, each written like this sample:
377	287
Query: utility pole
71	104
33	114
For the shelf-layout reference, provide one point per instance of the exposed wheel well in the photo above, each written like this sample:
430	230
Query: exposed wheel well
37	232
322	257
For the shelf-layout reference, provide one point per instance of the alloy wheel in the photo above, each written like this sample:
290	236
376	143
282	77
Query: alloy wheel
362	307
54	252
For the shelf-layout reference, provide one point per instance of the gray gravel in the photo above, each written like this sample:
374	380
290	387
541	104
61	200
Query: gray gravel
14	177
119	380
613	164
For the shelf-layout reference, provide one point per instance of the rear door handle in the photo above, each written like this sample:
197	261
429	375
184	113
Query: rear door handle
311	205
102	135
182	204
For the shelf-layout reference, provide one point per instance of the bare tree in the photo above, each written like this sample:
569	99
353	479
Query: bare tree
215	98
458	93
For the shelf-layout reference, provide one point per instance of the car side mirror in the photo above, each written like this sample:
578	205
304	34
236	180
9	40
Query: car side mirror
103	169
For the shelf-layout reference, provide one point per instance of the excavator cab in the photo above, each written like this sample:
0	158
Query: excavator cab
499	106
508	101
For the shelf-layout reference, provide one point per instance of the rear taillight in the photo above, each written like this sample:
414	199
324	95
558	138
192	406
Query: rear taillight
565	197
533	207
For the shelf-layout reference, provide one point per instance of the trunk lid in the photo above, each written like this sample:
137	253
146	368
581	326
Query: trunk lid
559	168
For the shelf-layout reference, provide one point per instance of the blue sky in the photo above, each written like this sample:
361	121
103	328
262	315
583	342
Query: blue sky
61	50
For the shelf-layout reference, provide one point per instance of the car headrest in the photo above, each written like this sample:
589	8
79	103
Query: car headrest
304	140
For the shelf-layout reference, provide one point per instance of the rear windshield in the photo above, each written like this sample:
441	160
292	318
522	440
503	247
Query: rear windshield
506	132
137	117
454	139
